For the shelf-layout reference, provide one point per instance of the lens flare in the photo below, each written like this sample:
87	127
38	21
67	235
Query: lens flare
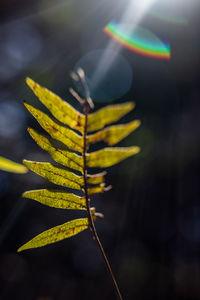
168	18
105	84
138	40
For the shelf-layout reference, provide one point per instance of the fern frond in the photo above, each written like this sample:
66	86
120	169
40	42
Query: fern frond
70	161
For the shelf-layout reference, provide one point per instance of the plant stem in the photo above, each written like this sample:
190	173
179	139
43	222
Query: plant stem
90	219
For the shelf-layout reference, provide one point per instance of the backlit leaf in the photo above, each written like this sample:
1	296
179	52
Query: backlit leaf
96	189
66	158
113	134
56	199
96	178
108	115
65	135
56	234
110	156
55	175
60	109
11	166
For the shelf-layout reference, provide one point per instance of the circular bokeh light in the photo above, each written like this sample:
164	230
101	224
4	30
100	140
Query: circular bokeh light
106	82
12	118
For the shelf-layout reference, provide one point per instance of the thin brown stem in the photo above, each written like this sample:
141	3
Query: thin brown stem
90	218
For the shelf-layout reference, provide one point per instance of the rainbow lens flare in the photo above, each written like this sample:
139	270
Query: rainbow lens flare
138	40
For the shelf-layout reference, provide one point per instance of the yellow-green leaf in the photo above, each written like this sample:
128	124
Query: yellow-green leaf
65	135
113	134
96	189
60	109
108	115
55	175
96	178
110	156
56	234
56	199
11	166
66	158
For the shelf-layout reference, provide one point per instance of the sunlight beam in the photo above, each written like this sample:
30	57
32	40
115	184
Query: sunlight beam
127	18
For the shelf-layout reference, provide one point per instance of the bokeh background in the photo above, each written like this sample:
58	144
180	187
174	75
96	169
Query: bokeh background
151	229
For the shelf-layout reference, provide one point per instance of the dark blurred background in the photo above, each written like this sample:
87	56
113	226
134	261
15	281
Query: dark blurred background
151	229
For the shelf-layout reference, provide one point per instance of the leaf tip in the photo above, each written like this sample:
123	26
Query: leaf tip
26	104
24	247
137	149
20	249
24	170
24	195
137	123
26	162
131	105
29	81
30	131
11	166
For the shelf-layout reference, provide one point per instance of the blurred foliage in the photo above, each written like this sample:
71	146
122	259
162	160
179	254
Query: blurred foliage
11	166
